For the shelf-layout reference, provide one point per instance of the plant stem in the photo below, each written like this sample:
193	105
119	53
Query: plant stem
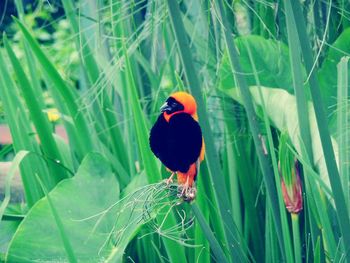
214	244
296	238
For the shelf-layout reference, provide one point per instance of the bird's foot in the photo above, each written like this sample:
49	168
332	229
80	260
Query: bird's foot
185	188
187	192
190	194
170	179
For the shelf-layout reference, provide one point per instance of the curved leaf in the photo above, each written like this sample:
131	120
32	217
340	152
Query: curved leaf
328	72
93	189
97	224
271	59
281	109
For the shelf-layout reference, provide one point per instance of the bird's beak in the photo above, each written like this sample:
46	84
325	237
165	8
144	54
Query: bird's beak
165	107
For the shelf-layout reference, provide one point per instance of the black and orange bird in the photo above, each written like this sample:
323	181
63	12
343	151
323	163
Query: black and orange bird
176	139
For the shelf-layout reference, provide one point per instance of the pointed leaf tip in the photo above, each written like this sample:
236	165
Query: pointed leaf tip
15	18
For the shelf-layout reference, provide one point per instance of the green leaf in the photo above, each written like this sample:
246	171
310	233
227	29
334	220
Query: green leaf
280	107
14	167
328	71
321	119
7	230
264	162
61	228
65	152
221	198
300	90
89	63
287	250
21	130
84	140
174	250
317	251
271	59
42	125
214	244
104	112
35	81
343	121
92	190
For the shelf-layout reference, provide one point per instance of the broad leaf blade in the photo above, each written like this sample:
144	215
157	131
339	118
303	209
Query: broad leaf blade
91	191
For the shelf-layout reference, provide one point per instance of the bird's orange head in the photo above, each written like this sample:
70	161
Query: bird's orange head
179	102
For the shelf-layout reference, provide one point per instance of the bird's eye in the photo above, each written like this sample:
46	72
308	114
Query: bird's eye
174	104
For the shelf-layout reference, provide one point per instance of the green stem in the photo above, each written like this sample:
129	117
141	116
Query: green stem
334	178
232	235
214	244
296	238
253	123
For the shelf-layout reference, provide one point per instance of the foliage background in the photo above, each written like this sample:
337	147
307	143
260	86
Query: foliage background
271	82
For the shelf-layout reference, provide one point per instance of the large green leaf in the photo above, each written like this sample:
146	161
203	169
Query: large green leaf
7	230
21	133
273	67
281	107
92	190
93	221
83	141
271	59
328	72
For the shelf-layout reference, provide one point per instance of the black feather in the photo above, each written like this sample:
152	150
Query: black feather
178	143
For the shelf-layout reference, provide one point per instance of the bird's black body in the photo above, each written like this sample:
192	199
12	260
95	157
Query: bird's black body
176	143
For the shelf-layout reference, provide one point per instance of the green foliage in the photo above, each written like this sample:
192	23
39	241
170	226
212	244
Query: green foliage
287	160
85	195
271	60
328	71
107	66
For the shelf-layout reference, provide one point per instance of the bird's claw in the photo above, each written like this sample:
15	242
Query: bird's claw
187	193
185	189
191	194
169	180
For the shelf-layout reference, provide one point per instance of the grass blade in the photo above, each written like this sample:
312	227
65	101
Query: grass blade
222	198
87	57
14	167
302	108
285	227
343	127
30	60
333	173
175	251
63	233
252	119
102	103
84	141
18	122
40	121
214	244
202	254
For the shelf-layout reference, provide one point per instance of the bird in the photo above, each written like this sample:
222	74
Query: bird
176	140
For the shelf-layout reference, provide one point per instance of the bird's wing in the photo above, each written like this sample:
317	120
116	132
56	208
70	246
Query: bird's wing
158	137
184	141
